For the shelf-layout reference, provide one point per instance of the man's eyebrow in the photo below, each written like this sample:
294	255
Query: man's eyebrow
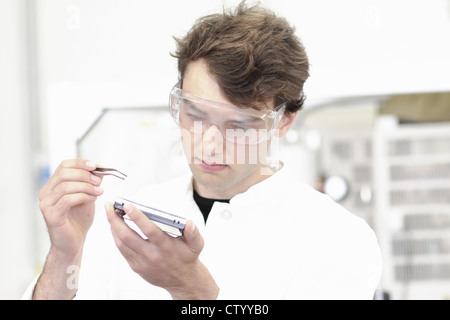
245	121
193	107
190	104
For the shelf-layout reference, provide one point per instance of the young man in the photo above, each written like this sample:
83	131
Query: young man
253	232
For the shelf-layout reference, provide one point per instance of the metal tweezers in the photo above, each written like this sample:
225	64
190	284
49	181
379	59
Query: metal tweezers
109	172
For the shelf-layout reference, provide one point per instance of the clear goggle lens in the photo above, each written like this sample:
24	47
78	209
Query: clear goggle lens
237	125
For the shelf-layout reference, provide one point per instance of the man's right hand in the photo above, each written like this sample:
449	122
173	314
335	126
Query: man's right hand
67	202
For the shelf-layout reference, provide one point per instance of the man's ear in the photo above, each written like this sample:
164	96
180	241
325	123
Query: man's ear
286	123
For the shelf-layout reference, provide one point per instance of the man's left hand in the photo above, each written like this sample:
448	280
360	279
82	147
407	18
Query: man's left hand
162	260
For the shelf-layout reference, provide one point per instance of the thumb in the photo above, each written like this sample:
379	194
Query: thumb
193	238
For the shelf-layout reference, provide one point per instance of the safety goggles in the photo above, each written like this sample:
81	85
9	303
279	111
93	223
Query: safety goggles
237	125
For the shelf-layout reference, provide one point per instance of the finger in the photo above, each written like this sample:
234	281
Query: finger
148	227
65	173
82	164
113	217
193	238
71	200
124	237
79	164
119	226
75	174
66	188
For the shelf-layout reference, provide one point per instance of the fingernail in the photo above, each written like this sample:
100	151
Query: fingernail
192	228
95	178
91	165
107	206
127	207
98	190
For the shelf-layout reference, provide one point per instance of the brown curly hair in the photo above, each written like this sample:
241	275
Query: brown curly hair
254	56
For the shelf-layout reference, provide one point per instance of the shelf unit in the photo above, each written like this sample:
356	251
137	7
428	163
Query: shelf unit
411	167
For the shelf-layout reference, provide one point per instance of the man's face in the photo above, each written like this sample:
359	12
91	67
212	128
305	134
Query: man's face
221	168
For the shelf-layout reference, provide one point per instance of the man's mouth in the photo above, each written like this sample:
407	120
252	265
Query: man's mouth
212	167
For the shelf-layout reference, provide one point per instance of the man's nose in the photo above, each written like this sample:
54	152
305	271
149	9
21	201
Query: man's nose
212	138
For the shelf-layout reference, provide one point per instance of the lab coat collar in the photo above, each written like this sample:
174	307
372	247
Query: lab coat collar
263	189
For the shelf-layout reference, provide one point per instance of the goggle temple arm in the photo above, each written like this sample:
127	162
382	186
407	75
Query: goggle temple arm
277	118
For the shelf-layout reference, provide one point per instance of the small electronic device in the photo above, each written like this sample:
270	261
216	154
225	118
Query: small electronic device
169	223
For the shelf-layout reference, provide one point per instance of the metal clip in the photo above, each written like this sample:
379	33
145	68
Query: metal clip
109	172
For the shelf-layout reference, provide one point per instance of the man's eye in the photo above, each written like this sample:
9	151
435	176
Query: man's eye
243	126
237	127
195	116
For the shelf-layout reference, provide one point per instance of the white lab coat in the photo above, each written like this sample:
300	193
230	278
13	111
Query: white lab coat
281	239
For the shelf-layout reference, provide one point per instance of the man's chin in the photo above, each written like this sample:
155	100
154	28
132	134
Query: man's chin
210	178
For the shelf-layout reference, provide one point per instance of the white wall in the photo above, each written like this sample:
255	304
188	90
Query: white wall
16	199
368	47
